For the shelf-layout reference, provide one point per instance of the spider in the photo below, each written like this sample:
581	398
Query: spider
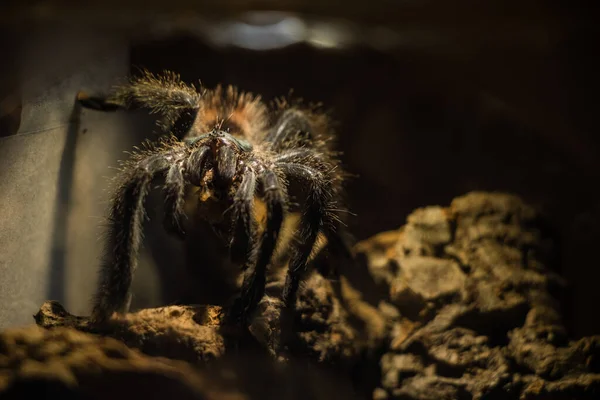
241	149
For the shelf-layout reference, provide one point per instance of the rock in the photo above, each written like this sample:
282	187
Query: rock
190	333
478	306
399	367
460	303
328	328
545	351
425	283
65	363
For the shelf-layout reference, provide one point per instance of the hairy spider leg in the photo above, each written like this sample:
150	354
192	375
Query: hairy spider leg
253	285
315	217
166	95
125	234
126	217
339	240
226	164
244	224
292	130
194	167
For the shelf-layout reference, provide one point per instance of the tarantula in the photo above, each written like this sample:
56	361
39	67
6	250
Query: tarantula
241	148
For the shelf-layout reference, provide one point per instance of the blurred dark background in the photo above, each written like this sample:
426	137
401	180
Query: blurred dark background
432	100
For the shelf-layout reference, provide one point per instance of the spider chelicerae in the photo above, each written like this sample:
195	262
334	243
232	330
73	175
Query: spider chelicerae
241	149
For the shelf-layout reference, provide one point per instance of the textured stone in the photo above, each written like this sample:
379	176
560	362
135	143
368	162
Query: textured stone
460	303
479	315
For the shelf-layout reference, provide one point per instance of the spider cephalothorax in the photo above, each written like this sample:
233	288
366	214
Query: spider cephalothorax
241	149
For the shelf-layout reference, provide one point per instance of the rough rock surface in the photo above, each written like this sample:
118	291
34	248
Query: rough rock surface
330	327
64	363
478	312
189	333
460	303
67	363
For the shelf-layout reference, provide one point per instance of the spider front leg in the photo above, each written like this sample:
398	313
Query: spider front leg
316	216
305	158
253	286
194	168
125	233
244	229
164	94
174	199
126	216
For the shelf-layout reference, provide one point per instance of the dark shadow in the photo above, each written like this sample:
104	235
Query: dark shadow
10	115
56	281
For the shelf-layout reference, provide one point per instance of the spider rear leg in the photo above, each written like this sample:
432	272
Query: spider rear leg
312	220
340	243
291	127
124	236
317	217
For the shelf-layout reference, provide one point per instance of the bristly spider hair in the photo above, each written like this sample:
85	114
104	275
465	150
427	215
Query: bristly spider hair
242	149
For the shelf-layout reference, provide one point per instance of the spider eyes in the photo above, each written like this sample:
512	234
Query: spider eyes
224	136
